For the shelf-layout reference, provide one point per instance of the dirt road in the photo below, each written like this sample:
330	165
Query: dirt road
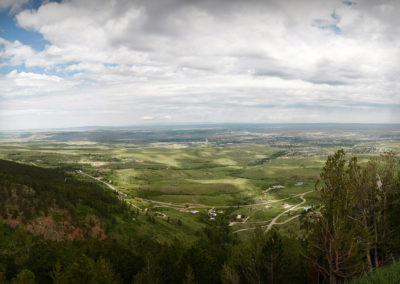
273	222
109	186
178	206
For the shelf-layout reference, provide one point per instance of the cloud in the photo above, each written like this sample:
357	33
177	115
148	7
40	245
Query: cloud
13	5
146	118
205	60
17	84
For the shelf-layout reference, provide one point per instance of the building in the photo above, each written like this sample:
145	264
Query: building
308	208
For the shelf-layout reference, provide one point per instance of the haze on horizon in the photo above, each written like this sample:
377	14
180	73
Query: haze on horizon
116	63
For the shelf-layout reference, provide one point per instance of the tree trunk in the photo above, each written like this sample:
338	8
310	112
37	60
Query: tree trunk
368	254
332	279
332	276
376	240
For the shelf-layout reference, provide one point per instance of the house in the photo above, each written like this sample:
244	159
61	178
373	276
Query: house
308	208
212	213
284	206
194	211
238	217
278	186
299	183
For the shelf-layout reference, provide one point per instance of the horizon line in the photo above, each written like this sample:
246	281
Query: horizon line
166	125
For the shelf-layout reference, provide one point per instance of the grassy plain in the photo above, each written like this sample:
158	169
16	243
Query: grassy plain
166	180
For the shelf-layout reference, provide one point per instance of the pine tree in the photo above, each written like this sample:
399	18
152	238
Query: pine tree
24	277
334	248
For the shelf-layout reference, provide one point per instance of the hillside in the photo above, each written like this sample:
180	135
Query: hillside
63	226
55	204
55	226
59	228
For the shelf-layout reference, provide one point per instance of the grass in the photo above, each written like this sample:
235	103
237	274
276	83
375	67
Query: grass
237	182
192	175
384	275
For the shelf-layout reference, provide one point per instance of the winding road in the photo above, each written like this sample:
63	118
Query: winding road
176	206
273	222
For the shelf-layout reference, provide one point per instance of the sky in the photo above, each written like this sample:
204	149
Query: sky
139	62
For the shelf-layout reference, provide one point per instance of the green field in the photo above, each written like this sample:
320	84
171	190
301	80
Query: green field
168	179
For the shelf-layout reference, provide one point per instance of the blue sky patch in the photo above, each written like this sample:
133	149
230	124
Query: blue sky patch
329	24
349	3
325	25
11	32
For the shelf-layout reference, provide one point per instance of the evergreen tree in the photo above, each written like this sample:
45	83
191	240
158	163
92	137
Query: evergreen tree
335	250
24	277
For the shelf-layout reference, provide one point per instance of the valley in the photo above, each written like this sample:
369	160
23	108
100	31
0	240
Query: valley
185	178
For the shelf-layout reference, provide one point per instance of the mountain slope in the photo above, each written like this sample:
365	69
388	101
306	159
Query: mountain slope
56	204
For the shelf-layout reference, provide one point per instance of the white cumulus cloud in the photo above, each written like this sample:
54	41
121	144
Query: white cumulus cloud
123	62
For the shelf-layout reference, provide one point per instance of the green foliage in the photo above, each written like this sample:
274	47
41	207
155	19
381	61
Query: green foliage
333	249
385	275
213	175
24	277
86	270
269	158
357	220
32	192
266	258
355	228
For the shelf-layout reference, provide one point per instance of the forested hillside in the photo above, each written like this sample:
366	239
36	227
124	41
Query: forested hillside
58	229
55	204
